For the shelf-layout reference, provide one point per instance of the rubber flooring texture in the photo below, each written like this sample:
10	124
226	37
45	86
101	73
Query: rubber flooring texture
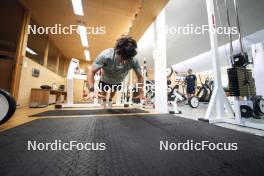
132	148
88	112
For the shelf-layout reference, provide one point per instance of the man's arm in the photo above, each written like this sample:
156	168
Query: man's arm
140	79
141	84
97	65
90	76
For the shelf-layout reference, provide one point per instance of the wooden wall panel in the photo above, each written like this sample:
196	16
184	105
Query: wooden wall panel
20	53
27	81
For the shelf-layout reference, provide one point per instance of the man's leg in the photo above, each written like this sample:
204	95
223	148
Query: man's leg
103	94
112	94
114	89
188	93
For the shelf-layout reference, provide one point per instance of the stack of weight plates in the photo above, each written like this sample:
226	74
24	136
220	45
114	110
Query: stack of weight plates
241	82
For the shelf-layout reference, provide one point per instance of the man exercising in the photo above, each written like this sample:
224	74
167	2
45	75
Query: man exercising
191	82
115	64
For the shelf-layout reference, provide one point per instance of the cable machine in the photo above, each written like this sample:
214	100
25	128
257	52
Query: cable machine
240	78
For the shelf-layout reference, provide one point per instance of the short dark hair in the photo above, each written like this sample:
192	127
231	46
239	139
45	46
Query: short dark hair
126	47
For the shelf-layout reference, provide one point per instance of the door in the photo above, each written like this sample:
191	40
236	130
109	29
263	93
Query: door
7	65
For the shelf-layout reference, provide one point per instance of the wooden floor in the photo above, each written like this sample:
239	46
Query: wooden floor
21	116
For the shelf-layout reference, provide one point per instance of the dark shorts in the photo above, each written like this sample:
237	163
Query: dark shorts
190	90
106	87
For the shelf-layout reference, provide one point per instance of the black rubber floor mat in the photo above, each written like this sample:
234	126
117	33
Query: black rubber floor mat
88	112
132	148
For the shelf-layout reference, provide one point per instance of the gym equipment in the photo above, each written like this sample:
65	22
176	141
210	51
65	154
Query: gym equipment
240	78
258	105
45	87
150	87
246	111
241	82
7	106
246	108
219	100
204	92
149	94
193	102
169	71
174	97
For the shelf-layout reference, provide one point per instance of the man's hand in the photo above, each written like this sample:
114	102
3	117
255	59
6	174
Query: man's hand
93	95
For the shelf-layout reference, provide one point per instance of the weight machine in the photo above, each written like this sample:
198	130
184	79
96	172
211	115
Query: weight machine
205	91
241	82
240	79
175	97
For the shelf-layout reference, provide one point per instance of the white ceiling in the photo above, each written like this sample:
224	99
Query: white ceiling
203	62
181	47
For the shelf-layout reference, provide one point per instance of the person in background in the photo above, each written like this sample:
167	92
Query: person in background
191	82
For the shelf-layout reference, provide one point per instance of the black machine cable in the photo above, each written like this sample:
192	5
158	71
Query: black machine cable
230	35
239	29
221	24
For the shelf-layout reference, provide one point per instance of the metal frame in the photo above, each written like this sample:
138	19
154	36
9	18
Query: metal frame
219	99
159	54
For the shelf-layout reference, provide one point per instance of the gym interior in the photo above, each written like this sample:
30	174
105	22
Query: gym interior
191	101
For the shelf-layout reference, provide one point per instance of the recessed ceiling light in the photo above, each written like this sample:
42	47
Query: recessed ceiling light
83	35
87	55
31	51
77	7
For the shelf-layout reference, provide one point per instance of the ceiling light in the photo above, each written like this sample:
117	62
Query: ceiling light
87	55
77	7
83	35
31	51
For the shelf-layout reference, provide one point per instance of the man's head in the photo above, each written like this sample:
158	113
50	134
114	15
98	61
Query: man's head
126	47
190	71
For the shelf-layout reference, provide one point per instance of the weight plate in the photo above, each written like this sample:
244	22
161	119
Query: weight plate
193	102
169	71
8	106
4	107
261	105
246	111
